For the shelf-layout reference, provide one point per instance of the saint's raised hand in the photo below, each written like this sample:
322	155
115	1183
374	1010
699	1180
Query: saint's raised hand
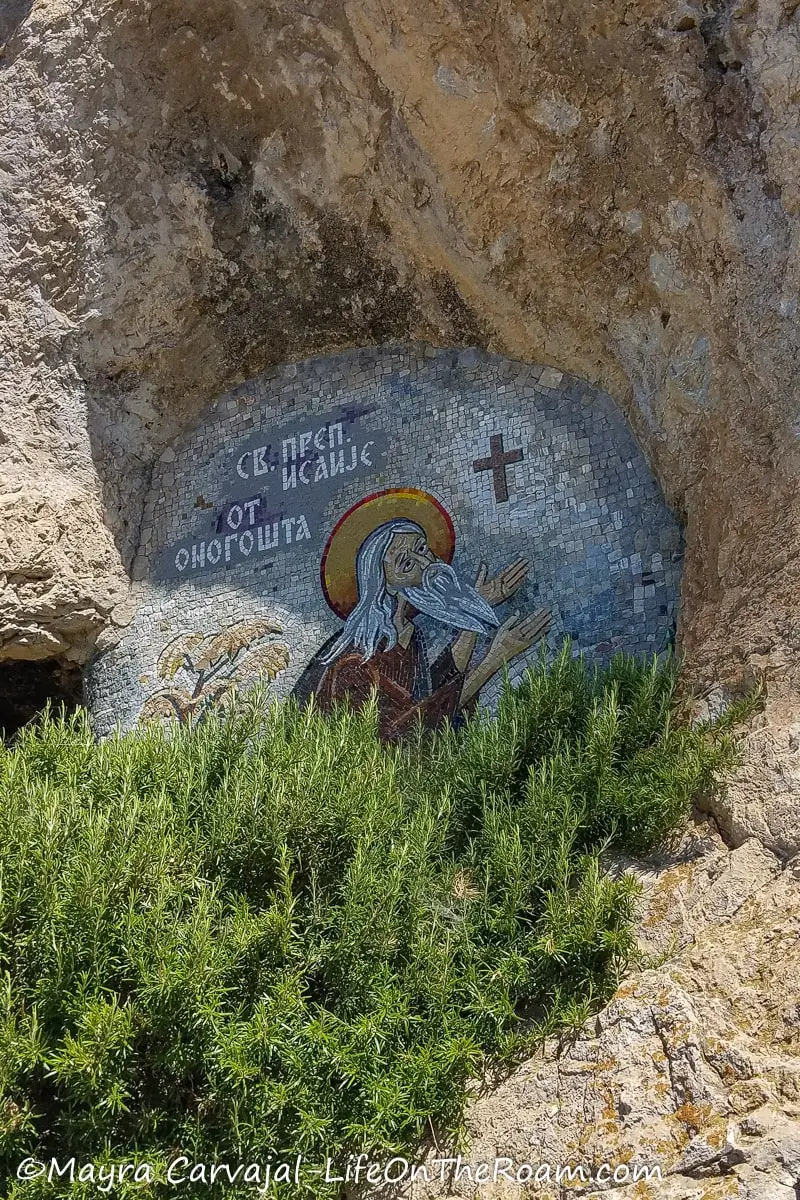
503	585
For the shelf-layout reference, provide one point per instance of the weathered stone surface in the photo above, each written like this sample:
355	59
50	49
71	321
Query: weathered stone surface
763	797
59	576
695	1065
707	885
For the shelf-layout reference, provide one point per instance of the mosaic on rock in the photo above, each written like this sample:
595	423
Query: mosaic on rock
412	521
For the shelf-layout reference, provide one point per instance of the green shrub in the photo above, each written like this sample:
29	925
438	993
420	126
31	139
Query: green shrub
269	934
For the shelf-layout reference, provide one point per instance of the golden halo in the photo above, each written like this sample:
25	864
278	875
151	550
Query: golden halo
337	569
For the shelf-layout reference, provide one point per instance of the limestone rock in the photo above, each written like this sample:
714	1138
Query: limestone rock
763	797
59	569
694	1067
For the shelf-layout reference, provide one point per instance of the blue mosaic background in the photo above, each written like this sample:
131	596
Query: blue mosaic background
583	506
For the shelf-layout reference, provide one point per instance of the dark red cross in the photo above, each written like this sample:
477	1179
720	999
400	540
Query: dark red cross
497	462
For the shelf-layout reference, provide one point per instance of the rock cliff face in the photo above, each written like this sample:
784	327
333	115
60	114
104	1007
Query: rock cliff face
193	192
692	1067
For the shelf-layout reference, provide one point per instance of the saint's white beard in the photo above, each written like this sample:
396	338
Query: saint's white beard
444	597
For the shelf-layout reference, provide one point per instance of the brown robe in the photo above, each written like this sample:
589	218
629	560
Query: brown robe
395	675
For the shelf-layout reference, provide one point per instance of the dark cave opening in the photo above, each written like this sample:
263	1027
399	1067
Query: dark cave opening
26	687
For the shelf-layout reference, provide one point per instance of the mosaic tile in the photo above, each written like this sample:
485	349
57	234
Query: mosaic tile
250	553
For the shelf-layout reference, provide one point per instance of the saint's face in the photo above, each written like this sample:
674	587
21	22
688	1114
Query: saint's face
405	560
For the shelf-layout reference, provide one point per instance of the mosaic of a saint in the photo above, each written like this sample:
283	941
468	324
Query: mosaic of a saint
387	561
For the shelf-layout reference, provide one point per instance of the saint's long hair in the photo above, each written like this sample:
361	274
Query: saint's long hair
372	620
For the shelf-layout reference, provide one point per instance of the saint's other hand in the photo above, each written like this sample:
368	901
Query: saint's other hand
518	634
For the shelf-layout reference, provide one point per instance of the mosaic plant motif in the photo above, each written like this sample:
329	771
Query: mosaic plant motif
388	561
204	670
